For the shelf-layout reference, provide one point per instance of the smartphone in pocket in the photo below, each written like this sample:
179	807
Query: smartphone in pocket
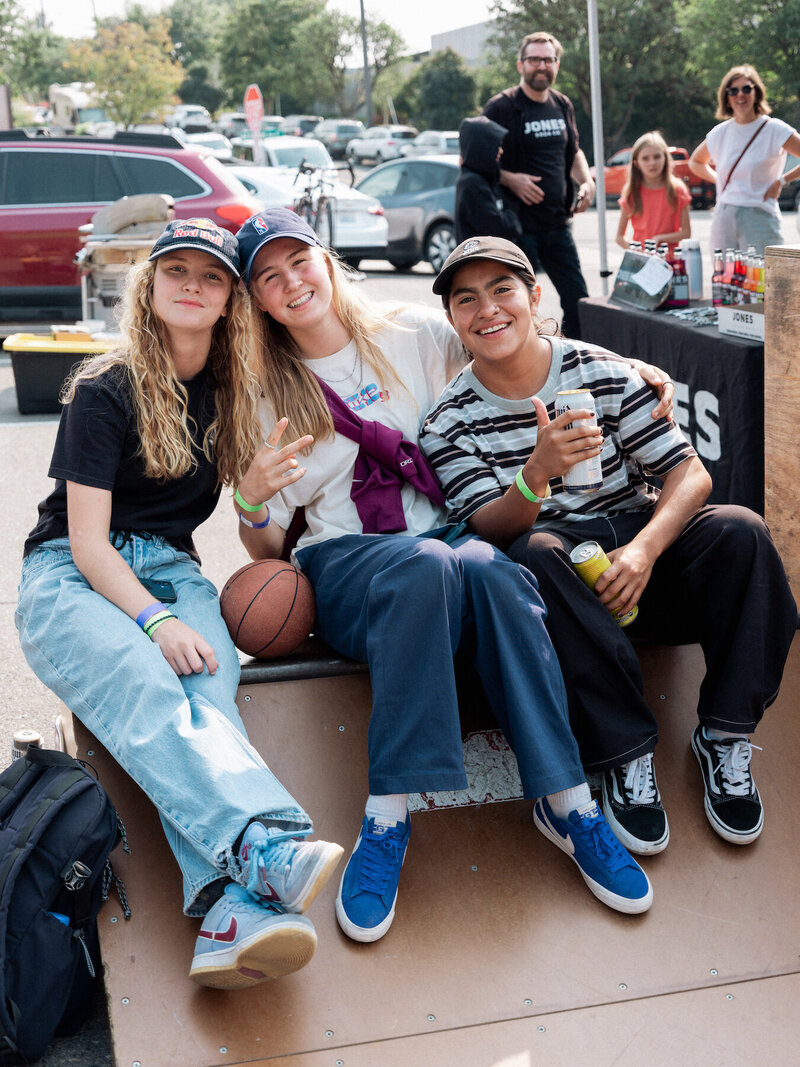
162	591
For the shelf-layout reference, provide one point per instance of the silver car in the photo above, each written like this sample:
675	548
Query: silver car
380	143
433	143
418	196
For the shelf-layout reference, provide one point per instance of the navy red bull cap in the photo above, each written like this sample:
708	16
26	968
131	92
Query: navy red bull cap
203	235
268	226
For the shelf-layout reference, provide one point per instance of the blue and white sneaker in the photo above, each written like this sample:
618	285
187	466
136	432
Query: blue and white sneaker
368	890
245	940
285	870
610	872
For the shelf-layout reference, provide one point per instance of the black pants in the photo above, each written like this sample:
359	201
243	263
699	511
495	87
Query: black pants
721	584
555	253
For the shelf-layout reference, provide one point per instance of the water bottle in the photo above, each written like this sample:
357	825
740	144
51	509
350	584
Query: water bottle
693	259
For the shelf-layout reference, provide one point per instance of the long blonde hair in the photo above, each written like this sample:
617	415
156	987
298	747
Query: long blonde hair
160	401
291	389
632	193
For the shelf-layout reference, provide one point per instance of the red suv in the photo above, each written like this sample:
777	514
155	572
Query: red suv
49	186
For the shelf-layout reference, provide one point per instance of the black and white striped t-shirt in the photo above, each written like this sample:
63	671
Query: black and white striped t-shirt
477	441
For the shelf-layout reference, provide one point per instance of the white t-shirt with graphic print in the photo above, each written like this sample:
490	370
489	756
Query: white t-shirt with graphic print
425	353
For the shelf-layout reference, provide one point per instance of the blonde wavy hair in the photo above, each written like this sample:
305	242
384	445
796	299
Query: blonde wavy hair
291	389
160	401
761	106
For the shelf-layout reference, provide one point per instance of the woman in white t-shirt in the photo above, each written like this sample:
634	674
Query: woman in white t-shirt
395	585
748	152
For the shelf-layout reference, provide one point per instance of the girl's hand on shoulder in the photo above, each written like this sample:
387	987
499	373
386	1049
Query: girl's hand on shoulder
186	651
662	383
274	466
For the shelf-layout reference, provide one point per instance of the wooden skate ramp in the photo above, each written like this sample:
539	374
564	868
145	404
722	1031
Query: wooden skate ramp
498	954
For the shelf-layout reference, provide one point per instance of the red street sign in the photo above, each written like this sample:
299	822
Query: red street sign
253	107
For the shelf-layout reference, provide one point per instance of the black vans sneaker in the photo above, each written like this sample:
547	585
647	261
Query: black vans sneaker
732	803
632	806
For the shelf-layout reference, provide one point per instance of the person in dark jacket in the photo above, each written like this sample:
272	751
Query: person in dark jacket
479	201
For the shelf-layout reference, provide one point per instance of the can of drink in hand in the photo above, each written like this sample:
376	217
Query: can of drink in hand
22	739
587	475
589	560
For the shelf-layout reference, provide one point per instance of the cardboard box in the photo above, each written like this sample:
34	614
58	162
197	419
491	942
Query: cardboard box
742	320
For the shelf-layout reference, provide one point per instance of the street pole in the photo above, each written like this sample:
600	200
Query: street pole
597	138
367	80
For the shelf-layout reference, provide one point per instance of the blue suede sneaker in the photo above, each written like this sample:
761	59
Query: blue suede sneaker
610	872
244	940
285	870
368	890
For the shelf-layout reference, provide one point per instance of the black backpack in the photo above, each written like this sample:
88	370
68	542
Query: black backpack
57	828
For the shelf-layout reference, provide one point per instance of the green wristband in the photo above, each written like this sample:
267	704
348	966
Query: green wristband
237	496
153	624
529	494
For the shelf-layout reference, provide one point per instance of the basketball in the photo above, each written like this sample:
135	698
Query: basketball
268	607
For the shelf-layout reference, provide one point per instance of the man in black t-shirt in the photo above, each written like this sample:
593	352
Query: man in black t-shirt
541	160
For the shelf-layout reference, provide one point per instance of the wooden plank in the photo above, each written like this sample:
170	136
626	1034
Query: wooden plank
493	926
781	403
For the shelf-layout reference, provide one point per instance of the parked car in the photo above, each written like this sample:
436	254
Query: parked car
379	143
285	151
49	186
193	118
336	134
360	229
418	196
433	143
230	124
704	194
218	145
300	125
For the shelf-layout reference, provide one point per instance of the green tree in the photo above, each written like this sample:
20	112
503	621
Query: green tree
198	87
9	28
195	26
440	93
40	58
131	68
765	33
643	56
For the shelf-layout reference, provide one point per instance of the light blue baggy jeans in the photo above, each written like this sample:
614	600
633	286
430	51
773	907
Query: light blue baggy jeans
179	737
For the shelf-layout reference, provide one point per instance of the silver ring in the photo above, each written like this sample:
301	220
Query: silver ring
267	444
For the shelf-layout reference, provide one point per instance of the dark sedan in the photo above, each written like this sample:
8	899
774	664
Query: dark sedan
418	196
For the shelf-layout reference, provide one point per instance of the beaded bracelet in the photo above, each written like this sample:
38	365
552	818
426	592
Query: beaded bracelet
237	496
157	620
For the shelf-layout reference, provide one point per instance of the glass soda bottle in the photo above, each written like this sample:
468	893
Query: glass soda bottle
716	278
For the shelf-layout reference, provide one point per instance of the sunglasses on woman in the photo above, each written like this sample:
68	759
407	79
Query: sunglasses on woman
734	90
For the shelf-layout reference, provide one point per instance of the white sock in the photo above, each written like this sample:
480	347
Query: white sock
389	808
568	800
721	735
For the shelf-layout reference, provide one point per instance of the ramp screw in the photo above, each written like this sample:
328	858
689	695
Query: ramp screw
474	867
431	1018
714	971
125	1000
662	696
223	1050
528	1002
89	751
622	985
136	1063
341	729
729	996
114	919
329	1033
247	698
542	1029
340	1063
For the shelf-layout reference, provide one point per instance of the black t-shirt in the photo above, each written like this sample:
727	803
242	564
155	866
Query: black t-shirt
542	139
97	445
544	144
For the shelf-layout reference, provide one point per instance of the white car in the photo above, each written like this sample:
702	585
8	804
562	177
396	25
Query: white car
380	143
283	151
433	143
219	147
360	229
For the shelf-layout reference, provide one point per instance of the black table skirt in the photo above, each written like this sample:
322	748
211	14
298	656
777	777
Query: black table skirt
719	394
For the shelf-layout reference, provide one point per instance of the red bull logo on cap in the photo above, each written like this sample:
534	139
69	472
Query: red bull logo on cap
202	228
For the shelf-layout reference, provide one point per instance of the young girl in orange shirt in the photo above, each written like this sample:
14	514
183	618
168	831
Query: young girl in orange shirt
653	199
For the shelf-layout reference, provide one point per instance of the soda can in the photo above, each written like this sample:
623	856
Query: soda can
23	738
589	560
587	475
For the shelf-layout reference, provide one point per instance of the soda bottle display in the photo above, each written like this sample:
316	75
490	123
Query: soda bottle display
680	281
727	277
739	274
717	278
760	280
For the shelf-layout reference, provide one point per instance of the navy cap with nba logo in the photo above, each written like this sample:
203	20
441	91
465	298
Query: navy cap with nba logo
268	226
202	235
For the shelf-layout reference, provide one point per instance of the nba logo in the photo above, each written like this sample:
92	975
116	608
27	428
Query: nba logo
260	226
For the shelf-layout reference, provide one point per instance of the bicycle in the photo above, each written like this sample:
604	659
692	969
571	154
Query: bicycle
317	203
